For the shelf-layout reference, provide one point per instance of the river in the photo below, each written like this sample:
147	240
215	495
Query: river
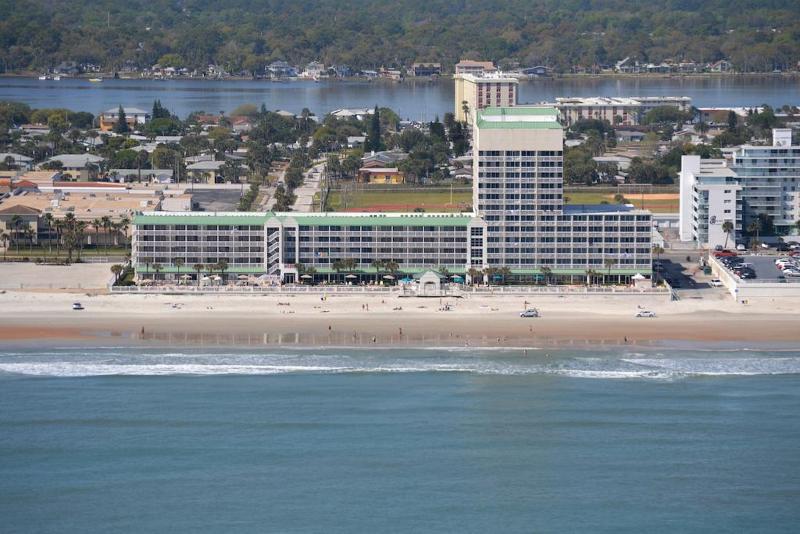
417	100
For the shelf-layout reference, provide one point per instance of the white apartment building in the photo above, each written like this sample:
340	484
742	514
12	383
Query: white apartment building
475	92
756	181
627	111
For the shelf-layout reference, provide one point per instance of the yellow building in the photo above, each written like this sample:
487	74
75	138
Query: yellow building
380	175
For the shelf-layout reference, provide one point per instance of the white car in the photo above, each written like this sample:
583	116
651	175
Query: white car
740	247
716	282
645	313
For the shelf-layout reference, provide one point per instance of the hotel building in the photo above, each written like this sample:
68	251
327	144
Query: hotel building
519	222
617	111
476	92
756	181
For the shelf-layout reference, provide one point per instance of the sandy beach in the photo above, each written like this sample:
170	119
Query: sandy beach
307	320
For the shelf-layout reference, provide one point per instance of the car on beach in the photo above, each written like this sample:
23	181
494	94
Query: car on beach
77	306
530	312
645	313
715	282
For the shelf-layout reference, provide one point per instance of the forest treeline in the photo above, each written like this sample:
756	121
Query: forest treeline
244	35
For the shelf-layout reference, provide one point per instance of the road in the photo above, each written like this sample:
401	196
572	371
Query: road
311	182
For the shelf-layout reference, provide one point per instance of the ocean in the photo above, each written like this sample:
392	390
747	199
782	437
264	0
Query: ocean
611	439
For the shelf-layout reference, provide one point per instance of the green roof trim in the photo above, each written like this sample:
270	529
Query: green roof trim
398	274
519	110
200	219
410	219
508	121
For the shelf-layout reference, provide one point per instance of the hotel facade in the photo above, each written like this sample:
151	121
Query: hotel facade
474	92
519	224
755	181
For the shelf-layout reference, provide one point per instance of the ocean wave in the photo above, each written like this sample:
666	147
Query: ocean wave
619	366
721	366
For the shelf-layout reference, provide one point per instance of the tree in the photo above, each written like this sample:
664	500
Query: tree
609	263
753	229
121	126
16	222
5	237
727	227
733	120
374	140
547	273
474	275
222	266
198	267
116	269
178	263
157	267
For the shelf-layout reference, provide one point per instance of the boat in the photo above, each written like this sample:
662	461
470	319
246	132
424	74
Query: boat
95	80
43	77
57	78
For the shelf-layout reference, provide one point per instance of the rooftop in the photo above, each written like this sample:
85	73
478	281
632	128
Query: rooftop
519	117
305	219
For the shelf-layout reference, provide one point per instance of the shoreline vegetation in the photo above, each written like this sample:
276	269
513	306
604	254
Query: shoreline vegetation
427	79
380	320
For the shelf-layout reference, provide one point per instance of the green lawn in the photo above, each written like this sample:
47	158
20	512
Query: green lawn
657	205
438	200
45	252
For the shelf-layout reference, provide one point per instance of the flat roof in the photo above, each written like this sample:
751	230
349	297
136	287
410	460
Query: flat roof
573	209
305	219
519	117
378	219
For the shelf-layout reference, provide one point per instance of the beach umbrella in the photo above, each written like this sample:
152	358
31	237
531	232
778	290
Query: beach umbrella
243	277
388	277
216	277
351	276
407	280
306	277
186	277
205	279
457	278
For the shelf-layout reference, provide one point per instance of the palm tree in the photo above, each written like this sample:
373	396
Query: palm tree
48	220
378	265
797	225
5	237
222	266
178	263
590	274
727	227
546	273
474	274
392	266
490	272
16	221
157	267
123	229
503	272
97	224
29	235
754	228
80	234
609	263
105	221
198	267
117	269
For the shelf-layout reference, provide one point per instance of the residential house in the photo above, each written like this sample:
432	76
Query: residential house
313	70
80	167
208	171
426	69
19	222
723	65
386	158
281	69
468	66
135	117
16	161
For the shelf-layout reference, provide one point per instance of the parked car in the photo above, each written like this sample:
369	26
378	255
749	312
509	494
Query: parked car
740	247
645	313
716	282
530	312
77	306
782	247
